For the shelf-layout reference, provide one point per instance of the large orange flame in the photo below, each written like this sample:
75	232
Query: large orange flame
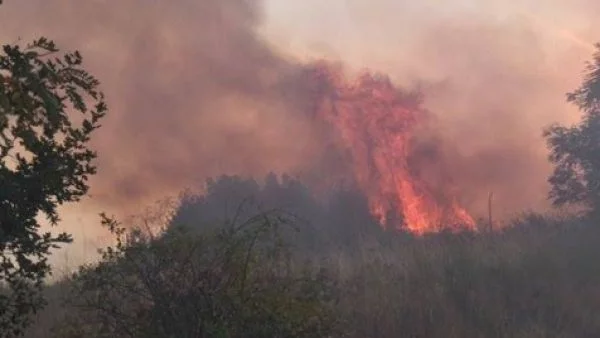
376	123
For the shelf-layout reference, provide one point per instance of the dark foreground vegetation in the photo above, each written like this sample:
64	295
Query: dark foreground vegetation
269	274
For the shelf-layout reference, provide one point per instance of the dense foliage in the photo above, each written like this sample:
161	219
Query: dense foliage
44	162
575	150
340	218
237	281
538	278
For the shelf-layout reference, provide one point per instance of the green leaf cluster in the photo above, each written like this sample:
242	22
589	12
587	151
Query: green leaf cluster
575	150
49	108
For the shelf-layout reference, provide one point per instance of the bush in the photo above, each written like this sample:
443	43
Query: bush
237	281
325	224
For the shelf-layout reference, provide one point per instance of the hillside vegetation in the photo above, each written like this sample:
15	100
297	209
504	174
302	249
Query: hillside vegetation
268	273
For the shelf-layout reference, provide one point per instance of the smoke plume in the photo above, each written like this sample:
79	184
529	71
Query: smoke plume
494	73
189	90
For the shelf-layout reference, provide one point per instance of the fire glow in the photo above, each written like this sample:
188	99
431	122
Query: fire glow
376	123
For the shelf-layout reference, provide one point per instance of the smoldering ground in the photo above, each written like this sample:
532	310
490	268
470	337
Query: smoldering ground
194	86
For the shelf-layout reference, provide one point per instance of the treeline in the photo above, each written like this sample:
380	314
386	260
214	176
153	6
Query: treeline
339	218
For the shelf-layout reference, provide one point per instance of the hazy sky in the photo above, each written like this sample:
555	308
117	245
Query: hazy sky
336	25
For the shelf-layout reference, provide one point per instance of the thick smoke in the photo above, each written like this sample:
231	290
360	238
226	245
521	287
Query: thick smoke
190	91
195	86
495	73
190	87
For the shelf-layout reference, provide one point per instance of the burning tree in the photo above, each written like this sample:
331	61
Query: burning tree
376	125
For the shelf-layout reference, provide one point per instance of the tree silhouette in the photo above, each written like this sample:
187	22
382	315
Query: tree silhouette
339	220
44	162
575	150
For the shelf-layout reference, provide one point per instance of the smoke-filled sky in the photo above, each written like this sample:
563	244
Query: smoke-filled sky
194	86
495	73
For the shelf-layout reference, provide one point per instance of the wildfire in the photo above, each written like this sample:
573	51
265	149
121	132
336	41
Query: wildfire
376	123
